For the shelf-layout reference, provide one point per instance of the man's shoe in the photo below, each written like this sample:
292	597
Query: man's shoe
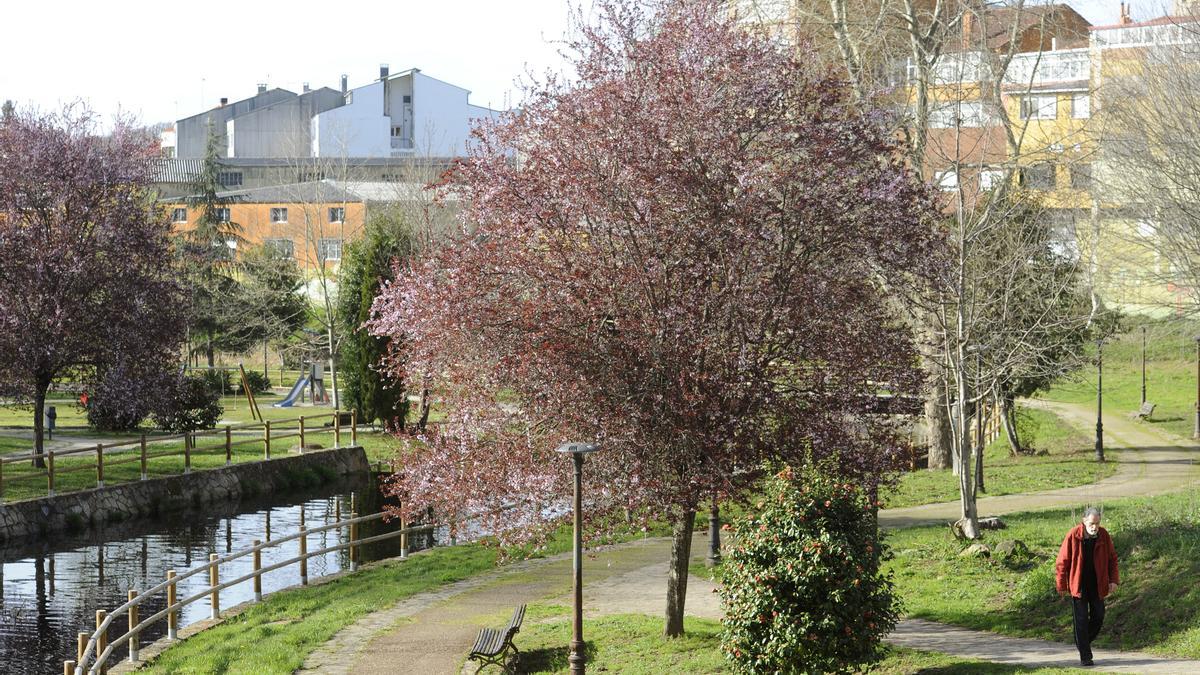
1088	662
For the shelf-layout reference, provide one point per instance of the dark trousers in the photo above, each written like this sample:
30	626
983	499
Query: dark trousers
1089	616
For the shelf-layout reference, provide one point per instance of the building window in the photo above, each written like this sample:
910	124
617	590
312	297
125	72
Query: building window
285	248
1038	177
968	114
1081	106
1044	107
947	181
178	215
1081	176
221	215
229	178
329	249
990	178
278	214
337	214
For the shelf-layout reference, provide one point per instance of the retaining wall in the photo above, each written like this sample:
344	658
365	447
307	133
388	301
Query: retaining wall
81	510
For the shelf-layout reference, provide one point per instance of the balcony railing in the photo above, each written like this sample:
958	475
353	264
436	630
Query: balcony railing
1035	68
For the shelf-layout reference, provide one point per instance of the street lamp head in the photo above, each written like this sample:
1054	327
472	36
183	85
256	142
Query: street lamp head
577	448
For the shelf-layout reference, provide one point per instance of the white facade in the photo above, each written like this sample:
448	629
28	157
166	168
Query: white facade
401	115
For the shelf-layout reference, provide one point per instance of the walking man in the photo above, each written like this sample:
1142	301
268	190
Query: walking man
1087	569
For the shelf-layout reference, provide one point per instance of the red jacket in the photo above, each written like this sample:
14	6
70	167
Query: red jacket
1069	566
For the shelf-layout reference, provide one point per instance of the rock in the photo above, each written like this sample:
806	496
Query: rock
1011	548
975	551
991	524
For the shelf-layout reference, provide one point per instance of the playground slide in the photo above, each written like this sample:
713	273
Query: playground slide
294	393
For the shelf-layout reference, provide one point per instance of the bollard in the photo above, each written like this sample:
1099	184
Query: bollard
215	596
99	465
337	428
228	445
302	434
101	639
353	537
143	451
267	439
50	472
187	453
133	622
353	427
257	571
172	614
303	555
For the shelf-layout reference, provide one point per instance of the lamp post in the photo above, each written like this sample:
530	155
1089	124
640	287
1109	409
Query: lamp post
714	536
1099	400
1196	428
577	452
1143	365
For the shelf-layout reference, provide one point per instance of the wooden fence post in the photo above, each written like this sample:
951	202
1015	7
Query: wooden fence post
403	539
81	640
68	668
172	614
213	579
143	452
257	571
302	434
267	439
303	555
101	639
337	428
187	453
353	537
50	472
354	427
133	622
99	465
228	445
1	482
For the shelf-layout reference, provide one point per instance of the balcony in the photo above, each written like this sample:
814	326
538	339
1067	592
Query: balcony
1038	68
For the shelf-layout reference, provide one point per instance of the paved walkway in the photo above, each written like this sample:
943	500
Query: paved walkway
1149	462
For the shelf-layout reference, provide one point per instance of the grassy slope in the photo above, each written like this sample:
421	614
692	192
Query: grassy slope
1155	609
1170	376
1068	462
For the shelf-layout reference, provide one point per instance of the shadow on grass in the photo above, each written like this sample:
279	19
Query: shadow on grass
550	659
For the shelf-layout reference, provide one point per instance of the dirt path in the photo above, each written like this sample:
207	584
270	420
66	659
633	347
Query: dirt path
1149	463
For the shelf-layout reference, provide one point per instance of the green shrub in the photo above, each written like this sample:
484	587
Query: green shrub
802	588
192	404
220	381
259	383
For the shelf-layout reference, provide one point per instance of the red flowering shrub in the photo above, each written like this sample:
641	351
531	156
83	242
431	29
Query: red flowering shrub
802	591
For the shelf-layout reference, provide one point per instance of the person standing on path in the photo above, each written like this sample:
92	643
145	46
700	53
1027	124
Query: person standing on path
1087	569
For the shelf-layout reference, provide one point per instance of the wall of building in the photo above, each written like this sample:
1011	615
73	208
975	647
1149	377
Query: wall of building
281	129
357	129
192	132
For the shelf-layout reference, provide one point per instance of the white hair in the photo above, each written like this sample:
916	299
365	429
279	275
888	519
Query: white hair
1091	511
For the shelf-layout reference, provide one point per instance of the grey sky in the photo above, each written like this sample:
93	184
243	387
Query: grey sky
163	61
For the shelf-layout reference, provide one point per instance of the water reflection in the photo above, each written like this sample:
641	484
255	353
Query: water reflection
51	588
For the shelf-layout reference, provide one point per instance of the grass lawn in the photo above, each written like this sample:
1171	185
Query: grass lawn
1157	608
1068	461
1170	376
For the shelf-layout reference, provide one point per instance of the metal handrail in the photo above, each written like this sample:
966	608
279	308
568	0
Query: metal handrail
102	628
100	451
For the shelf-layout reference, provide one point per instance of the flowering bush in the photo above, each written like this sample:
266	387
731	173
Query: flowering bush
802	590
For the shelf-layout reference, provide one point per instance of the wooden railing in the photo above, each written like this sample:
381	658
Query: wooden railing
141	450
94	651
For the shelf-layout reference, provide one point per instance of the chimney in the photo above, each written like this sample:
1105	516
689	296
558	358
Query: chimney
968	24
305	87
383	71
344	83
224	101
262	87
1125	18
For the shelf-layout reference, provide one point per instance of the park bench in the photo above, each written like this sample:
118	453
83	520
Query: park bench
1145	411
492	645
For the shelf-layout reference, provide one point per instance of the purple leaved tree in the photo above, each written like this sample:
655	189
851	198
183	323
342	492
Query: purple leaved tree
87	288
684	253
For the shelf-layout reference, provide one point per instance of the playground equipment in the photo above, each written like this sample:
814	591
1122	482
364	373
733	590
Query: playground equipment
250	400
312	382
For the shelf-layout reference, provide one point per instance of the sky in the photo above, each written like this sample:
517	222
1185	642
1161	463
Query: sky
165	61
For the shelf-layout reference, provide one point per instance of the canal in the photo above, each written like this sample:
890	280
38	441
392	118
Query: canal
51	589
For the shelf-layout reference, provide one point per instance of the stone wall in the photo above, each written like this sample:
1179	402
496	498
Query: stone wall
89	508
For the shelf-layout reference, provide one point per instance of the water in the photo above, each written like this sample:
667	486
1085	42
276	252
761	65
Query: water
51	589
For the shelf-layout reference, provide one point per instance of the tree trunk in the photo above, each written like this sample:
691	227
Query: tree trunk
209	352
39	410
333	368
1008	416
677	577
937	427
424	417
